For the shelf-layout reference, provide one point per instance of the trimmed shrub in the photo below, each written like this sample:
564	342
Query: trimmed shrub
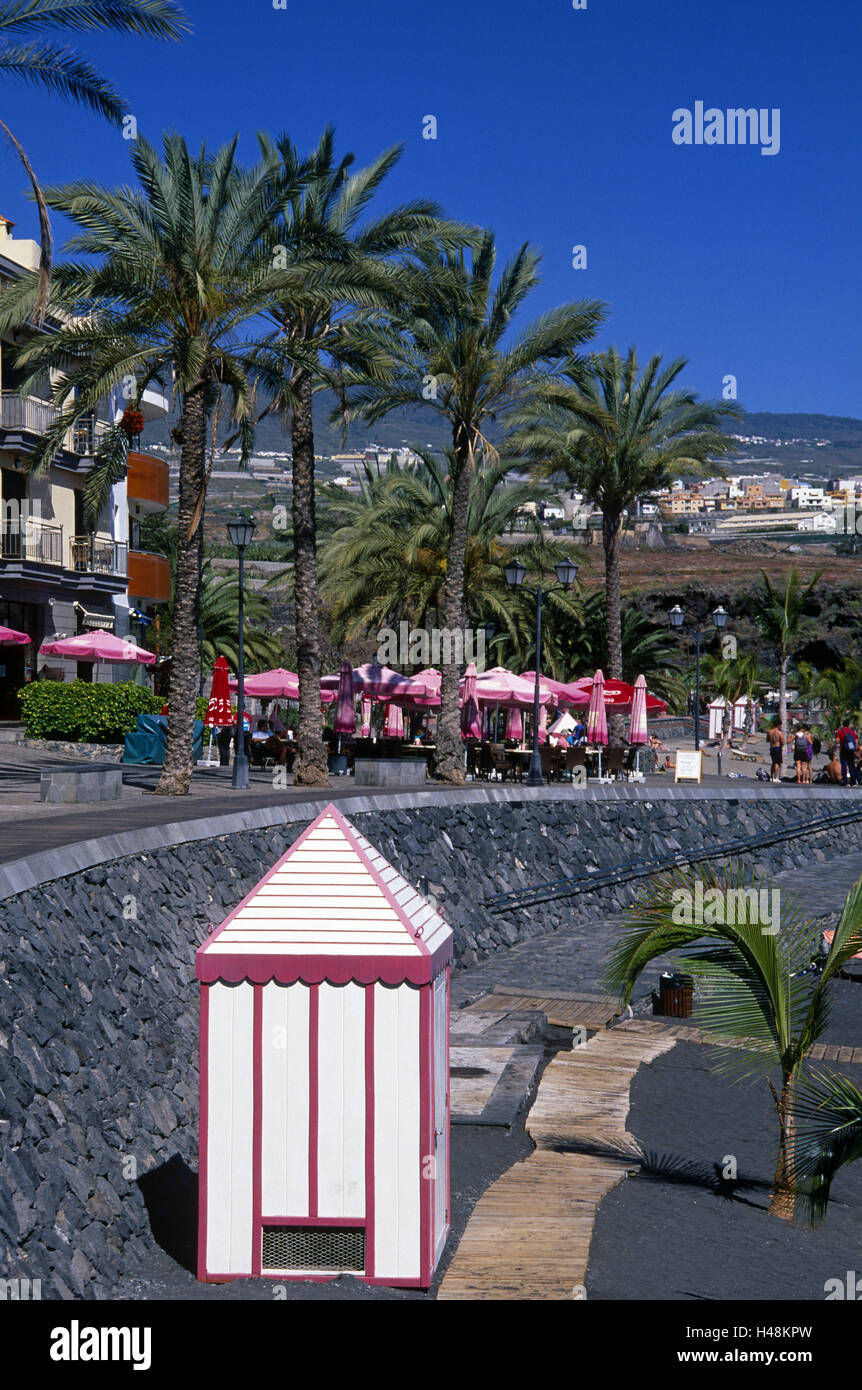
84	712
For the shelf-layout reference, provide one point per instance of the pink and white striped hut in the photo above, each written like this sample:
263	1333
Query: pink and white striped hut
324	1130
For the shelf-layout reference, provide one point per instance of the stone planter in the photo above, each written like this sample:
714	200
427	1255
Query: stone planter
73	784
389	772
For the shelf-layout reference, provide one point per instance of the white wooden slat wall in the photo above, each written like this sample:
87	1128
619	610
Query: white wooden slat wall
341	1087
229	1128
397	1173
441	1128
285	1078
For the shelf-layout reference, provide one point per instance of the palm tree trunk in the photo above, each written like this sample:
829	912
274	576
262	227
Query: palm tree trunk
782	1202
782	701
612	541
310	768
179	749
448	765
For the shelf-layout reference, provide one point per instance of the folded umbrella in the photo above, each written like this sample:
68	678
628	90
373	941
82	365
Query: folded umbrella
471	719
345	711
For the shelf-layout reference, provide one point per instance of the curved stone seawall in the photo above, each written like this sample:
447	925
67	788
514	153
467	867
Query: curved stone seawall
99	1006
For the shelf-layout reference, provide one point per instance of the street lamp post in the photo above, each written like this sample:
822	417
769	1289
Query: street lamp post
677	618
240	533
515	573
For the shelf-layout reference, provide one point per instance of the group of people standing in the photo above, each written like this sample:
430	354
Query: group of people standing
844	755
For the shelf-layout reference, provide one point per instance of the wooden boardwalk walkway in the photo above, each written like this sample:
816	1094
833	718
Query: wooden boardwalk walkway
529	1235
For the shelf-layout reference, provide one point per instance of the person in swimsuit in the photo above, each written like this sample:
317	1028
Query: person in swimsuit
775	739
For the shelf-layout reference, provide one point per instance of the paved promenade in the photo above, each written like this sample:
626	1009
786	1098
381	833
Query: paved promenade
27	824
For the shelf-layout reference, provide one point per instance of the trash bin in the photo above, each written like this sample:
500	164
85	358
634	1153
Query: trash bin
675	995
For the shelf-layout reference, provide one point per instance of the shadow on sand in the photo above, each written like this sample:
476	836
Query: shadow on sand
170	1194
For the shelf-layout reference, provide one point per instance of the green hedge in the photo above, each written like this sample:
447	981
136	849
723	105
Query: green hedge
83	712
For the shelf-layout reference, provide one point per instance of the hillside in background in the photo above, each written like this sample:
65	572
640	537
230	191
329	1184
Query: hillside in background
820	445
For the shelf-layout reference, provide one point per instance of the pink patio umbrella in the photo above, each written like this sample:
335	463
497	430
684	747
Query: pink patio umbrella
637	718
10	638
514	723
421	691
557	688
372	679
597	719
98	646
271	685
501	687
278	684
393	723
471	719
345	712
365	713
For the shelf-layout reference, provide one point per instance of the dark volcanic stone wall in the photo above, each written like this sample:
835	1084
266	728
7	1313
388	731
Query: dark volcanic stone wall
99	1006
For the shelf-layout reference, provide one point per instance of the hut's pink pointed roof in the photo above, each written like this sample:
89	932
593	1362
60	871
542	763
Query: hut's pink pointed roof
333	909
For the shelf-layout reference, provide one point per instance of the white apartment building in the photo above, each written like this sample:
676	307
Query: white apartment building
804	496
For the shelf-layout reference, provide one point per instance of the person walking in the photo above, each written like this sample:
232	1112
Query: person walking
802	755
775	739
848	744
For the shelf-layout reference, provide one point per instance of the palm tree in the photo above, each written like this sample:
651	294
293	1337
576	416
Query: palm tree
448	353
756	995
219	615
779	613
841	689
43	63
172	275
731	678
383	558
828	1134
616	435
647	649
362	267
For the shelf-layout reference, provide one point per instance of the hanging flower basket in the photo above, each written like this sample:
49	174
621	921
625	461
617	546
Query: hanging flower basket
132	422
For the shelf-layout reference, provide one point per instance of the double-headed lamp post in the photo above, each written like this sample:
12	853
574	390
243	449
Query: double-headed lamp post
241	533
515	573
677	618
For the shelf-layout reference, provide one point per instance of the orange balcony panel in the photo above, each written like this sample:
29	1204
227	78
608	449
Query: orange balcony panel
147	482
149	576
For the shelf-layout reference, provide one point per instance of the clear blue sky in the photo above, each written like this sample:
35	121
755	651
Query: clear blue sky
554	126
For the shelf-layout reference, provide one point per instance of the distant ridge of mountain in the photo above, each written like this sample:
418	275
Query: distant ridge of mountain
826	443
841	430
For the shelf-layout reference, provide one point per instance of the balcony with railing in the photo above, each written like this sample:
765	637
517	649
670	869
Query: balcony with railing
98	555
30	415
32	541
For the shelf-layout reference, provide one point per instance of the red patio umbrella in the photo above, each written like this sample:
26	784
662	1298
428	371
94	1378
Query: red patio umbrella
618	695
219	712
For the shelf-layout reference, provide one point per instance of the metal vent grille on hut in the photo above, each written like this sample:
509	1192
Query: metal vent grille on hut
304	1247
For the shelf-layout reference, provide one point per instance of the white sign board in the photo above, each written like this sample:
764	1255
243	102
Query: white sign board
689	765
